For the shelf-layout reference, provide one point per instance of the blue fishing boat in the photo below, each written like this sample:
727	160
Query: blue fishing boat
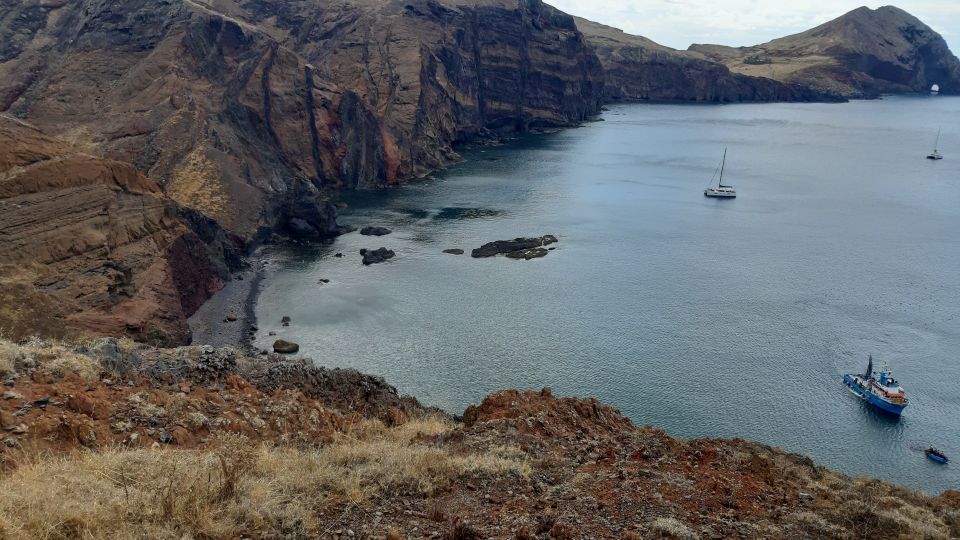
879	389
937	455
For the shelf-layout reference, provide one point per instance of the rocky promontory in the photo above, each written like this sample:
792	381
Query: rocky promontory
862	54
638	69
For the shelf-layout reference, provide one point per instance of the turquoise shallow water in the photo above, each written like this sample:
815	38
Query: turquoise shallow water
713	318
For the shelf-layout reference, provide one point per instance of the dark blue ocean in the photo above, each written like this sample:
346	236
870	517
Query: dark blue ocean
707	318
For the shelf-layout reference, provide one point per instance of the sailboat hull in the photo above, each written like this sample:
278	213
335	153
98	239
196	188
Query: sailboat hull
719	194
934	156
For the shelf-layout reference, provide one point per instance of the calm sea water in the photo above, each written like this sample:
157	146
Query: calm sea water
708	318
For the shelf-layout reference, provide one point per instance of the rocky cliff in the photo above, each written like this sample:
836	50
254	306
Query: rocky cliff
862	54
638	69
182	121
91	245
237	108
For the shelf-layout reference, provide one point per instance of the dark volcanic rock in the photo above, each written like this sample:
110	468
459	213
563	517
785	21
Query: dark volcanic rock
310	217
527	254
285	347
375	231
454	251
376	256
517	248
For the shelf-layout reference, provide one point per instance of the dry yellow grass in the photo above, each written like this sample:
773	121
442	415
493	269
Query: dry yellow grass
234	488
197	184
54	356
672	528
8	356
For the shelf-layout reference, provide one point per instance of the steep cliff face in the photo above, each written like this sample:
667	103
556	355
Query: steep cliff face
235	107
91	245
638	69
862	54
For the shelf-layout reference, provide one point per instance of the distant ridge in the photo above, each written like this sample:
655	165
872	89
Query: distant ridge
862	54
638	69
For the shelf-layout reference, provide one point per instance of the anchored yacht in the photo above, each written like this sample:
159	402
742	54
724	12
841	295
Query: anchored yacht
721	191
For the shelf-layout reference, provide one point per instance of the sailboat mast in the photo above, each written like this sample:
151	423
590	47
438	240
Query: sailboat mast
722	163
937	143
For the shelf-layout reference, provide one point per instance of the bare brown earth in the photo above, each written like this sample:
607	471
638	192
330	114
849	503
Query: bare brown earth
208	443
862	54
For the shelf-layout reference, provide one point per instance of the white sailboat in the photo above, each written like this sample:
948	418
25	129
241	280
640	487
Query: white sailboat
721	191
935	154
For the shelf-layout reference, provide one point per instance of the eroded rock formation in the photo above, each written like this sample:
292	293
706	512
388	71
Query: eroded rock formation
91	245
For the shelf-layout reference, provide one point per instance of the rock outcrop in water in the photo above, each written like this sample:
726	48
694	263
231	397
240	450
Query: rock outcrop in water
518	248
862	54
375	231
375	256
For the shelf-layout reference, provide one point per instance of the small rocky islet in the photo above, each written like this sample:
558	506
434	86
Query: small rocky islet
375	256
375	231
518	248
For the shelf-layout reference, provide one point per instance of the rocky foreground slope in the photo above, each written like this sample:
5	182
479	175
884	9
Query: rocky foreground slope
862	54
204	442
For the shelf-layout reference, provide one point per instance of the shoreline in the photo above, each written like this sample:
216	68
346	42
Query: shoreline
209	324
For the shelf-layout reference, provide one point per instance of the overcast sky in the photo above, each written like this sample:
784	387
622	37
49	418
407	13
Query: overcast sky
678	23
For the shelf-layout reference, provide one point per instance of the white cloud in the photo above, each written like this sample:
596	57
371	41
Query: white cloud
678	23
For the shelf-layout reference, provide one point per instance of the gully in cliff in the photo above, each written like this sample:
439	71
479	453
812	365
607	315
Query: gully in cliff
880	390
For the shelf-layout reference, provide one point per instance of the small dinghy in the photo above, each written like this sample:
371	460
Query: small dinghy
937	455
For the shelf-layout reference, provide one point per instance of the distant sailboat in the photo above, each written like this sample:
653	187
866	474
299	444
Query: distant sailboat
935	89
935	154
721	191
